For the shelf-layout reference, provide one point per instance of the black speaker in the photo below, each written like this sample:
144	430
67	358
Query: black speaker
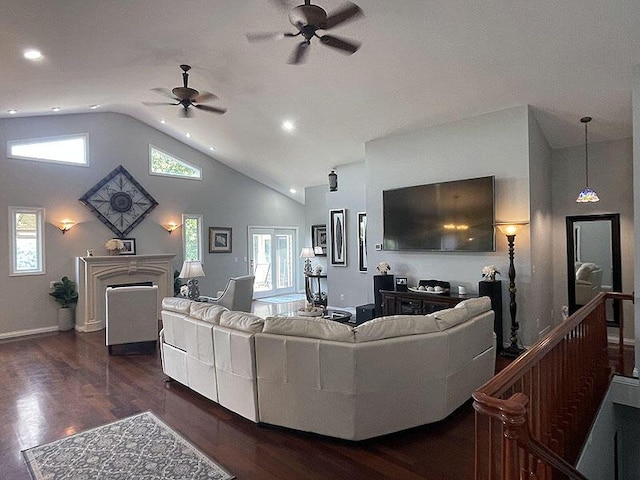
493	290
381	282
365	312
401	284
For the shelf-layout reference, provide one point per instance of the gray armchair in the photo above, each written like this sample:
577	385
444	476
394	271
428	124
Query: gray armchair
238	294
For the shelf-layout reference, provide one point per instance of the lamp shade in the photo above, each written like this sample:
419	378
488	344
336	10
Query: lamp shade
510	228
307	252
191	269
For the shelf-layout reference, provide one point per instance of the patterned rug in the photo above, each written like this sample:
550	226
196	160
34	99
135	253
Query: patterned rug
140	447
294	297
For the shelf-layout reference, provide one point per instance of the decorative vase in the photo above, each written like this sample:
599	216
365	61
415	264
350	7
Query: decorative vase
113	253
383	272
491	278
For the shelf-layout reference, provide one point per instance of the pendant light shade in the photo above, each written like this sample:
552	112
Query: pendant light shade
587	195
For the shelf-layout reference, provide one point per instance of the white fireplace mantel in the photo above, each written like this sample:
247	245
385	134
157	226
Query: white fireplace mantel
95	274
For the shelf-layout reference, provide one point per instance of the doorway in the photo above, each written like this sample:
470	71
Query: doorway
271	253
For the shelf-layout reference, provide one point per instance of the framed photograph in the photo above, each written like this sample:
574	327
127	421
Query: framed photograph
129	246
219	239
319	240
362	241
338	237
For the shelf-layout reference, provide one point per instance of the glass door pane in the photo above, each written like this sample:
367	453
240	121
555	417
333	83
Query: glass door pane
272	254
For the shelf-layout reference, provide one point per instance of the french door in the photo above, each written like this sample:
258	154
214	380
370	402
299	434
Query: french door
272	253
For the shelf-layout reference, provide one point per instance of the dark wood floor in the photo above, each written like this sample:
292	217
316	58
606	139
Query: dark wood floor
55	385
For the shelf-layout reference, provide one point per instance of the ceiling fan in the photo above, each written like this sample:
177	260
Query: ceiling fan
187	96
308	19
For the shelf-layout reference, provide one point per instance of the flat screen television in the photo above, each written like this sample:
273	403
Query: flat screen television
455	216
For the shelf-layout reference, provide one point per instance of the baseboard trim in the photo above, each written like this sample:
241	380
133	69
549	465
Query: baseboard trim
25	333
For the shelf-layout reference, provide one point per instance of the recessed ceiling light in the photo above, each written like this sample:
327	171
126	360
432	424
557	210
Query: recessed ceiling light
188	135
32	54
293	190
56	109
288	126
93	107
163	121
12	111
212	148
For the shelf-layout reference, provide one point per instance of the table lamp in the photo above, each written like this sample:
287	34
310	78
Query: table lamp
190	270
307	254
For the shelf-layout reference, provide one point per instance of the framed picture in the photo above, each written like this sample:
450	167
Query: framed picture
319	240
219	239
362	241
338	237
129	246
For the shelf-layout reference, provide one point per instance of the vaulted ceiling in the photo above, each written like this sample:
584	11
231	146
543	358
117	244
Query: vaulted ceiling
421	63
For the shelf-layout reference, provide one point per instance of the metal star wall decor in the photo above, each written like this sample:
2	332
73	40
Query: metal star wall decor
119	201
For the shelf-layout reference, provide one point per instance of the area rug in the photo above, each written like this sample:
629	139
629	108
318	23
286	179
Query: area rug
294	297
140	447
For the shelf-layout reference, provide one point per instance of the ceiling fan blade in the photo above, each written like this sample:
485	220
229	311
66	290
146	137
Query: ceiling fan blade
204	97
299	54
264	36
166	92
350	11
347	46
153	104
208	108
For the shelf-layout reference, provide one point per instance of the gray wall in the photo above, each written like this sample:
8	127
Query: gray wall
542	270
225	197
492	144
611	175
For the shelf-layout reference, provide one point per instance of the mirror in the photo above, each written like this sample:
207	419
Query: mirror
593	260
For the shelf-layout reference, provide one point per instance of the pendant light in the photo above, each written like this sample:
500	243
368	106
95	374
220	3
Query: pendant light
587	194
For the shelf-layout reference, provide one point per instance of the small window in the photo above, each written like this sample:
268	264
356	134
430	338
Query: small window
192	236
161	163
26	231
69	149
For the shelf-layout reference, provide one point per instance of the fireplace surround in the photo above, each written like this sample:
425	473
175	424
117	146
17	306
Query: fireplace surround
94	274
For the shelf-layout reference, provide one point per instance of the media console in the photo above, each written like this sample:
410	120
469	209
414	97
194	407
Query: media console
415	303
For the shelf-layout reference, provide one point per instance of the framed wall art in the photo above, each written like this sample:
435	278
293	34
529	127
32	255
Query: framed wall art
319	240
338	237
119	201
220	239
362	241
129	246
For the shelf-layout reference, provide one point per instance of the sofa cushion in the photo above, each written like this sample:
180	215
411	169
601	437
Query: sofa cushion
450	317
475	306
311	327
395	326
176	304
242	321
206	312
585	270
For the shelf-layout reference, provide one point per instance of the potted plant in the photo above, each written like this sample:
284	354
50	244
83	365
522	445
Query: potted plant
66	296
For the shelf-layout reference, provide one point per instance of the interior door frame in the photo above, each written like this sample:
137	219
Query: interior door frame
616	259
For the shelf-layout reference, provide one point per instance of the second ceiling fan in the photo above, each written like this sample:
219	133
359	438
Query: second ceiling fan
308	19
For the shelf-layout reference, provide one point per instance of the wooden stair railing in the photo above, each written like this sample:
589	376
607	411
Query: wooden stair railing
533	417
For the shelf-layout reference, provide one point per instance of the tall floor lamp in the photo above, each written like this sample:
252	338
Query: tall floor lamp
510	229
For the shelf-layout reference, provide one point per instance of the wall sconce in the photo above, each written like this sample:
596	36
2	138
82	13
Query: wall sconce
510	229
170	227
333	181
65	225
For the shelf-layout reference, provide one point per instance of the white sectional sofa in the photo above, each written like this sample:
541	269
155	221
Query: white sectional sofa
317	375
